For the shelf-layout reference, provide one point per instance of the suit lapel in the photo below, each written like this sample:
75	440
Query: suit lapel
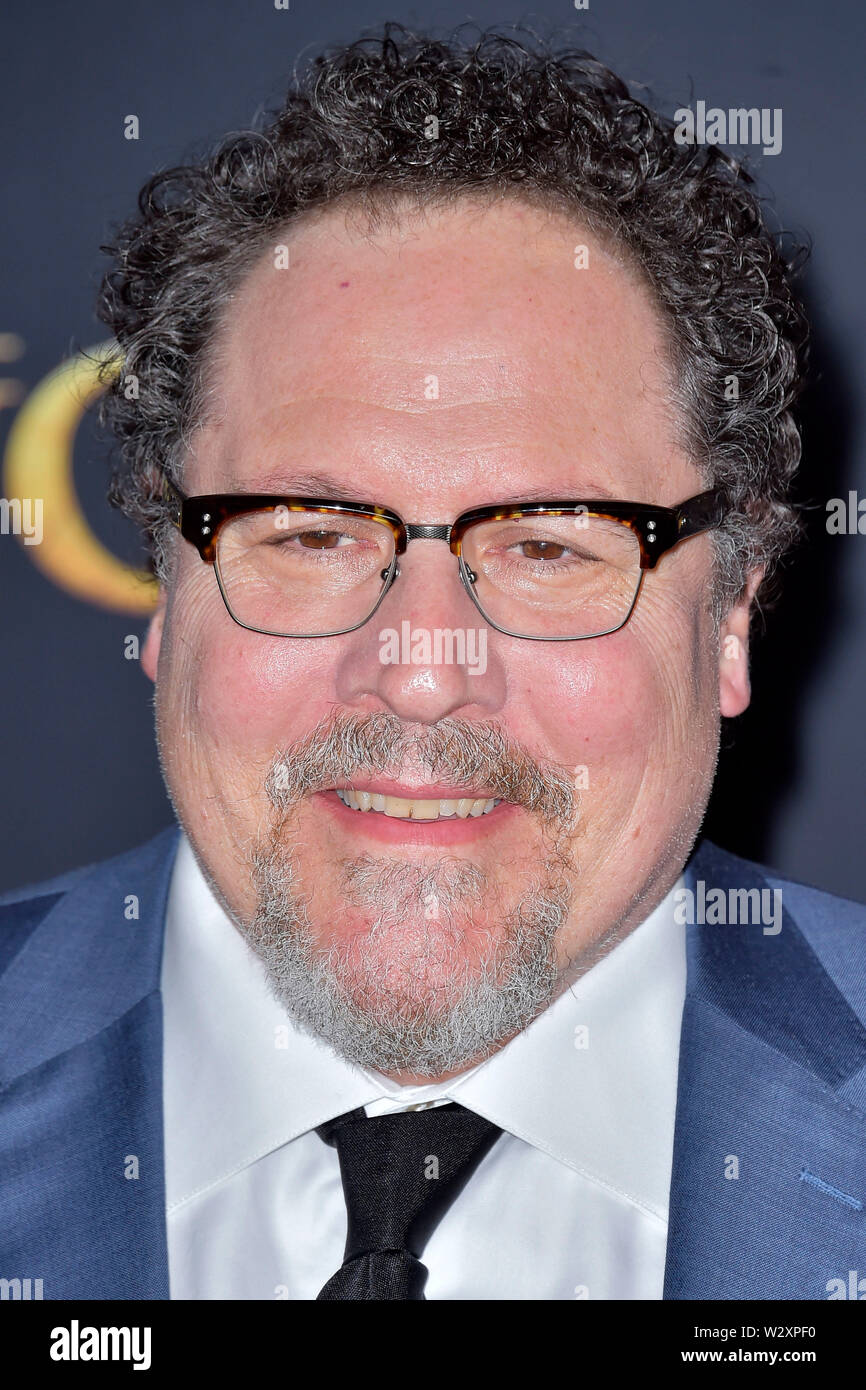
82	1204
769	1167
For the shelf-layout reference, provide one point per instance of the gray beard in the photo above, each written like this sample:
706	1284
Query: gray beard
422	1030
414	991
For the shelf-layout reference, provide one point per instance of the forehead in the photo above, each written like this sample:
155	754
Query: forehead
458	353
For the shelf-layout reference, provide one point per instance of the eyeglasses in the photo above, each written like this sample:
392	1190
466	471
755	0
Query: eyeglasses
556	571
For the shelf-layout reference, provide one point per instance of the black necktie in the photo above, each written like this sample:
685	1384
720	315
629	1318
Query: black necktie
400	1174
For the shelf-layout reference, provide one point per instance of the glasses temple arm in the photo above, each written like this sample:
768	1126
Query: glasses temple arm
701	513
174	498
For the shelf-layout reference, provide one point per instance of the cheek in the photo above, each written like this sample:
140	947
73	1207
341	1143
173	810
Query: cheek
604	703
238	691
261	692
626	716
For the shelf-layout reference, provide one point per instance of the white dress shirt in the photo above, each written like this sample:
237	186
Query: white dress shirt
571	1201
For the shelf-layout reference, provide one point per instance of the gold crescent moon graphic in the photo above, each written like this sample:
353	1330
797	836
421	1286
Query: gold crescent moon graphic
39	463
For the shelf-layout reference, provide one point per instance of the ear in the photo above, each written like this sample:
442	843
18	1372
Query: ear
735	690
153	640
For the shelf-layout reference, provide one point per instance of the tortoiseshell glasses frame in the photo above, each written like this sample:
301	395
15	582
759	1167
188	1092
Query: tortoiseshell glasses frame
657	529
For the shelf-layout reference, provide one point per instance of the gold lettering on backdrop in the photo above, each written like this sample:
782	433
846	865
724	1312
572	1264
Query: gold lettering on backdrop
39	463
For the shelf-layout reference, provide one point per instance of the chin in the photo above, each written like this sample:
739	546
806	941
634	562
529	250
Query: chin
420	963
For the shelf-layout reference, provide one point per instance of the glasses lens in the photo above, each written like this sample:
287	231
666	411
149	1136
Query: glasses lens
555	576
302	574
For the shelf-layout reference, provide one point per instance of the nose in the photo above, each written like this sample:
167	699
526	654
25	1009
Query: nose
426	653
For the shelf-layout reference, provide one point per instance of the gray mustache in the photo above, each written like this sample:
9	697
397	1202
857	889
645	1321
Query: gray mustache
464	754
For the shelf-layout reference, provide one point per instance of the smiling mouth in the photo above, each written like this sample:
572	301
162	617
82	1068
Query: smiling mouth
416	808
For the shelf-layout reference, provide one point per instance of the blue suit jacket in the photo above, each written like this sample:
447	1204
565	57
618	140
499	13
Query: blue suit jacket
772	1075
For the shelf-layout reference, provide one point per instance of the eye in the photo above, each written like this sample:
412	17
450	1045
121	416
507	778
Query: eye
541	550
322	540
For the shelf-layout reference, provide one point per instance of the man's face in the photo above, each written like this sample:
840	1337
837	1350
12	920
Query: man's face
449	362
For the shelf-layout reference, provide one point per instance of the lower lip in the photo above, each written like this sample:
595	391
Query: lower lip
393	830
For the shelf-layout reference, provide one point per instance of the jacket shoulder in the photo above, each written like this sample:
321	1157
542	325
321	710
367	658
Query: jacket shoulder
833	926
23	909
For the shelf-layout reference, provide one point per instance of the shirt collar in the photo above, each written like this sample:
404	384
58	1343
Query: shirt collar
240	1079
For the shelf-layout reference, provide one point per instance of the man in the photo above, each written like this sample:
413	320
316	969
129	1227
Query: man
463	442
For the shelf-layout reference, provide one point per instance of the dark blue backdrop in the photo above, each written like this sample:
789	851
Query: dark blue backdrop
81	773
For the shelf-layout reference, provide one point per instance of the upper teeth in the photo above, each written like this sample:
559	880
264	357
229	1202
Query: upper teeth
415	809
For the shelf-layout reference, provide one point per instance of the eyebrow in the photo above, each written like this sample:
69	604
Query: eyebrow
302	485
541	494
331	489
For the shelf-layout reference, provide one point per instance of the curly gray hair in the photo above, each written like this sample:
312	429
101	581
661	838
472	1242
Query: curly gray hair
514	117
